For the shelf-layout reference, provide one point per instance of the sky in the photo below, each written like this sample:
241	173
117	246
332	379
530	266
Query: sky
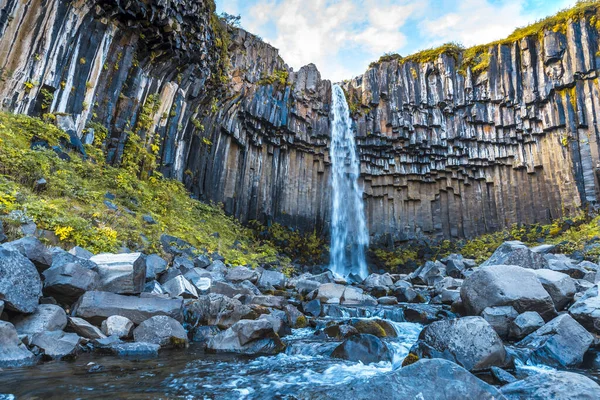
341	37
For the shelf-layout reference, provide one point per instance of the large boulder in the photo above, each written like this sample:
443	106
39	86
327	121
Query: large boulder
506	285
180	287
500	318
375	280
161	330
271	279
330	293
247	337
354	296
85	329
435	379
525	324
20	284
67	282
240	274
365	348
586	310
562	342
516	253
470	342
118	326
47	317
34	250
566	265
155	265
215	309
11	353
429	274
121	273
57	345
553	385
97	306
561	287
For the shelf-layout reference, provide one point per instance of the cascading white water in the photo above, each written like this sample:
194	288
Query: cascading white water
349	234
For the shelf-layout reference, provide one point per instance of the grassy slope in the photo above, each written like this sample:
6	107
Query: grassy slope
72	206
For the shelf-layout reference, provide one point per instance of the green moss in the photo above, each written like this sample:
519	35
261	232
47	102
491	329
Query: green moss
411	358
304	248
301	322
279	76
370	327
453	50
72	205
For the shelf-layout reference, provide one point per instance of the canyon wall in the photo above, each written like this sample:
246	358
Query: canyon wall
445	153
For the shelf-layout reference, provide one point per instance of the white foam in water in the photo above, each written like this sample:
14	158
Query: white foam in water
531	369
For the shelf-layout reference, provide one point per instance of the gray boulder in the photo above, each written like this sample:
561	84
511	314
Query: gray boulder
500	318
20	284
330	293
516	253
201	261
34	250
564	264
294	317
455	266
271	279
279	322
47	317
11	353
506	285
470	342
215	309
305	286
429	274
312	308
586	310
354	296
240	274
562	342
81	252
229	289
85	329
67	282
118	326
61	257
365	348
375	280
57	345
121	273
525	324
561	287
435	379
180	287
155	265
97	306
247	337
161	330
553	385
278	302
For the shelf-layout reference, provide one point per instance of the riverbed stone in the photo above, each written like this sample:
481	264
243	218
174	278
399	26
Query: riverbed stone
586	310
365	348
84	329
428	274
119	326
524	324
96	306
561	342
247	337
11	353
121	273
57	345
20	283
506	285
553	385
215	309
471	342
500	318
271	279
162	330
67	282
47	317
135	350
561	287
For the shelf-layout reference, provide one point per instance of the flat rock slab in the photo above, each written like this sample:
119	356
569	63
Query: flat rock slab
47	317
121	273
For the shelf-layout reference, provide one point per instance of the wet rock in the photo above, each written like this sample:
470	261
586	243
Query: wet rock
34	250
11	353
501	376
364	348
67	282
553	385
330	293
161	330
20	284
375	280
429	274
271	279
387	300
247	337
135	350
305	286
202	334
516	253
342	331
155	265
215	309
586	310
239	274
269	301
470	342
118	326
405	293
97	306
85	329
57	345
524	324
47	317
180	287
375	327
500	318
312	308
279	322
121	273
559	286
422	313
294	317
562	342
506	285
353	296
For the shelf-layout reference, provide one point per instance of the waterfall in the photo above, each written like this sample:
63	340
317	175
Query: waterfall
349	235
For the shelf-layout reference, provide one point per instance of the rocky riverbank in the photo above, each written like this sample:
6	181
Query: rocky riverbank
523	324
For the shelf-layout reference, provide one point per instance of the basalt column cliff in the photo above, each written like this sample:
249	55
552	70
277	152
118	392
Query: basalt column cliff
447	150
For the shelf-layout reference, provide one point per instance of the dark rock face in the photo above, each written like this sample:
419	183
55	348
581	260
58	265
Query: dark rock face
470	342
451	152
363	347
20	284
247	337
426	379
553	385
